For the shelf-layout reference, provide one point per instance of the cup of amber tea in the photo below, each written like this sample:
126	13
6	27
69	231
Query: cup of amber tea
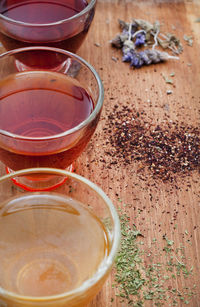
56	23
57	248
47	116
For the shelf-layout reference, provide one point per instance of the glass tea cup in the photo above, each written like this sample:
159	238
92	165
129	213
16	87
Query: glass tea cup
47	116
62	24
57	248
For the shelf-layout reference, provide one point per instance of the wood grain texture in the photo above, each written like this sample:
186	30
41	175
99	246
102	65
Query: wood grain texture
156	208
164	209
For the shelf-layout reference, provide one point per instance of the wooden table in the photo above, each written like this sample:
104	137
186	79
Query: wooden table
160	208
155	207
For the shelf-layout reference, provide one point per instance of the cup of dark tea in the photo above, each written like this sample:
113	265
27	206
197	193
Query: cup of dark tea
57	248
61	24
57	23
47	116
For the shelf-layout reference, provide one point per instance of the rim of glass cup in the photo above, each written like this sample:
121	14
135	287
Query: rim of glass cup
26	24
106	262
83	123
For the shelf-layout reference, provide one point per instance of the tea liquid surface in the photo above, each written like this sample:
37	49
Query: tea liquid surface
49	244
48	24
39	104
41	12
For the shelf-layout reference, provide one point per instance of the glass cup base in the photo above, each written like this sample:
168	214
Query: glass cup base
40	182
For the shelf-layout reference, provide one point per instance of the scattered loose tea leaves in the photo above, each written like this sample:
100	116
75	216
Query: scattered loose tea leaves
97	45
167	80
169	92
128	277
137	280
189	40
114	59
166	151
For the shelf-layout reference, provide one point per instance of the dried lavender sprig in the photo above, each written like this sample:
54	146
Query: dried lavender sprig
150	56
152	30
144	32
146	57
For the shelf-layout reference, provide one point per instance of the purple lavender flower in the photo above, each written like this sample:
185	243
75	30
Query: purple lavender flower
133	57
136	61
140	39
144	57
128	56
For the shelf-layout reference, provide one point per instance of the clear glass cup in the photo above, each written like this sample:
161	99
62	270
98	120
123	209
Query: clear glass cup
57	23
57	248
48	115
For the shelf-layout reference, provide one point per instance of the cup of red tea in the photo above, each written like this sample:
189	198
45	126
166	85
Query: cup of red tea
56	23
47	117
57	247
